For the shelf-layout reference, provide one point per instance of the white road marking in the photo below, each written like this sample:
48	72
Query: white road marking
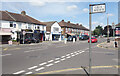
50	61
19	72
57	62
49	65
71	53
67	54
32	67
57	58
68	57
43	63
39	69
29	51
6	54
28	73
63	59
62	56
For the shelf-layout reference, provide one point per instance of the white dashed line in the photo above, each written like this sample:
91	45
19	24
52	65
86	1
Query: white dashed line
6	54
67	54
43	63
68	57
71	53
50	61
29	51
28	73
39	69
62	56
57	62
49	65
32	67
63	59
19	72
57	58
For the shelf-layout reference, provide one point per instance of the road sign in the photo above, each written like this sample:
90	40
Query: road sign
98	8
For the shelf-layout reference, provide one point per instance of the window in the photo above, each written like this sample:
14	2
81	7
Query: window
11	24
14	25
38	27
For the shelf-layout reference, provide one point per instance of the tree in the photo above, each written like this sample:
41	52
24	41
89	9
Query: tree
98	30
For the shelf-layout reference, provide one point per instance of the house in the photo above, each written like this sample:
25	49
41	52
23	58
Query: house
13	25
53	31
69	28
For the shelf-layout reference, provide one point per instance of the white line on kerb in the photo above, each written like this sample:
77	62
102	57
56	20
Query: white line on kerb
19	72
49	65
6	54
50	61
39	69
28	73
32	67
57	62
43	63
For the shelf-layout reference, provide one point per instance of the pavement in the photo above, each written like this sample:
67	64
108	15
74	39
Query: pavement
110	45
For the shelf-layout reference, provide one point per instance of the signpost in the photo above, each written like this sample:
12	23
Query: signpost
93	8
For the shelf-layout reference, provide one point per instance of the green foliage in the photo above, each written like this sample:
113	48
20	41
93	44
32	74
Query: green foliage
14	40
98	30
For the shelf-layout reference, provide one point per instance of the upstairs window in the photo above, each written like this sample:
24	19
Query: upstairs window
14	25
38	27
11	24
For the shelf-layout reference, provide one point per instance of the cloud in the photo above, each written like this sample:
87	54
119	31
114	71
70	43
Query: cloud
37	3
85	10
72	7
96	23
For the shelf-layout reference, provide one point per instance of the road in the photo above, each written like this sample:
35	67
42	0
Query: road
59	58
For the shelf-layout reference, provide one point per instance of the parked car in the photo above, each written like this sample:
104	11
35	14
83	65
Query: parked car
84	37
26	41
93	40
34	40
70	38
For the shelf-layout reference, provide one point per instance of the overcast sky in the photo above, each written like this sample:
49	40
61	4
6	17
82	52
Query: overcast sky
76	12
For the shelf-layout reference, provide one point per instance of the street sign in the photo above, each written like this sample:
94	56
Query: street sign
98	8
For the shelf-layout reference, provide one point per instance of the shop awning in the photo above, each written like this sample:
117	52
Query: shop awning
5	33
70	34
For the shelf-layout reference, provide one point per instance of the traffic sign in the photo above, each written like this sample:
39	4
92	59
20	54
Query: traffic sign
98	8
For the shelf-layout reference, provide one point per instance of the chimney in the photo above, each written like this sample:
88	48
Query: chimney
68	21
23	13
62	20
77	24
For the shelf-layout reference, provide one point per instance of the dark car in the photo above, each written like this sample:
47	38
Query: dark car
35	40
26	41
84	37
70	38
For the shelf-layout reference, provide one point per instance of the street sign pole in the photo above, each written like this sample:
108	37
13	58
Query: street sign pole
90	40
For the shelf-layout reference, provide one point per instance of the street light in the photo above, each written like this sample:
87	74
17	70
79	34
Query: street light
113	27
108	32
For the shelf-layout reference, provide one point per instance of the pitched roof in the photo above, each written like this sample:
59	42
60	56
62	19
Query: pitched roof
72	25
48	25
8	16
117	25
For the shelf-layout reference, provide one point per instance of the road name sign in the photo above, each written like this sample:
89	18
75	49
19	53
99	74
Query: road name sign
98	8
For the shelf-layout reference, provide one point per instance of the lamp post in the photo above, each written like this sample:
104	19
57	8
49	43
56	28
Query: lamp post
113	27
108	32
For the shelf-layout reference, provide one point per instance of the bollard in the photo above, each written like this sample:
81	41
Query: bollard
73	40
65	41
115	44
